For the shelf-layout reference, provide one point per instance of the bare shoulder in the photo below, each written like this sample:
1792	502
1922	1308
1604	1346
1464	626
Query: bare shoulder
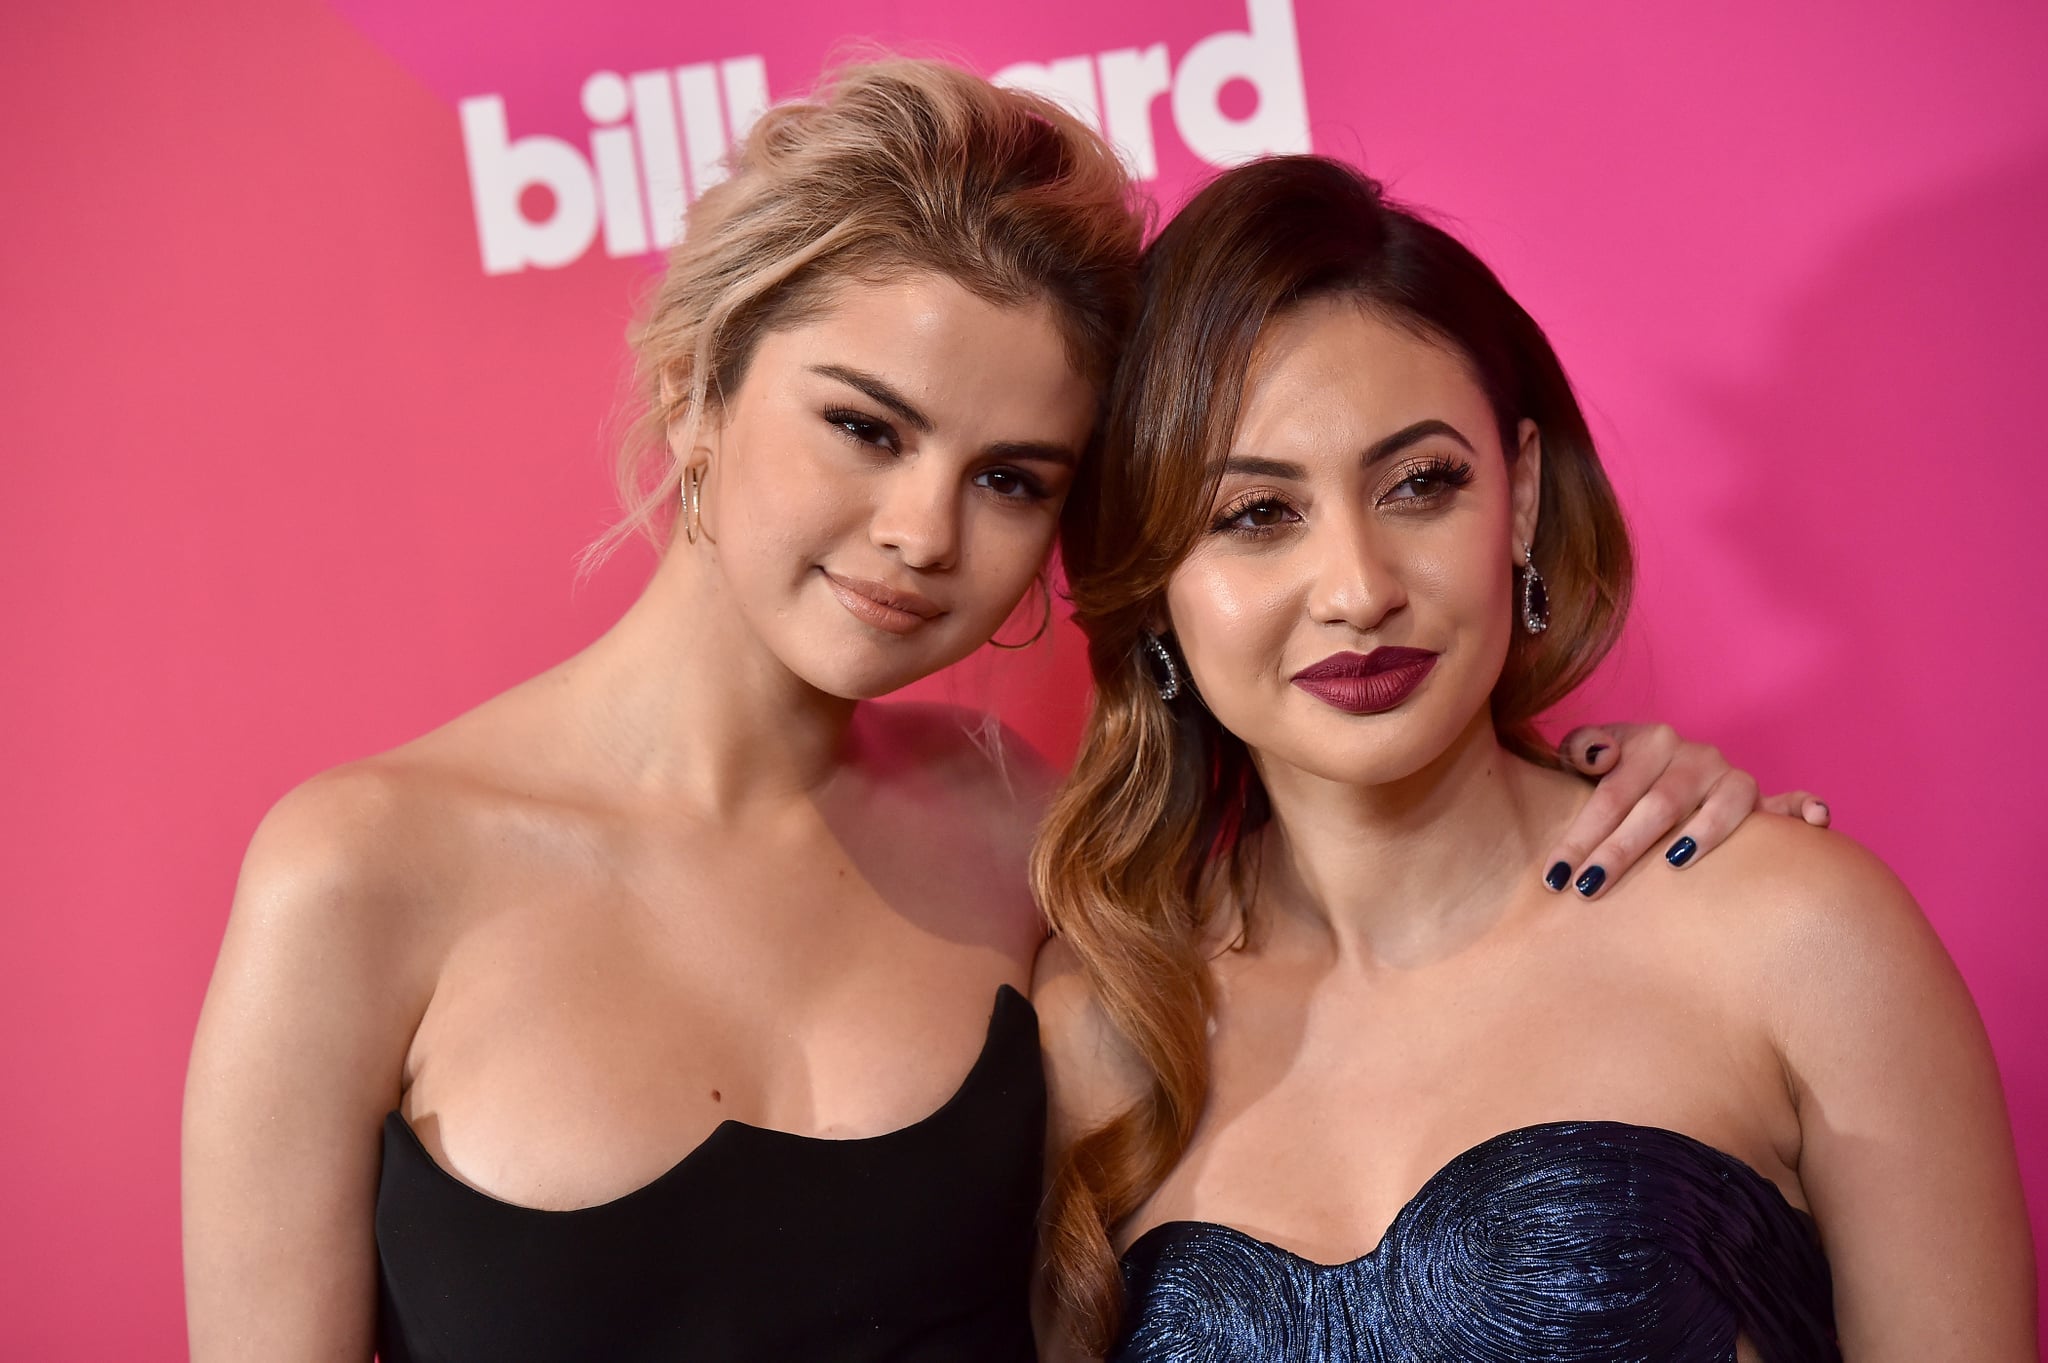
376	841
1823	932
1904	1153
1091	1071
375	831
1807	894
350	868
325	970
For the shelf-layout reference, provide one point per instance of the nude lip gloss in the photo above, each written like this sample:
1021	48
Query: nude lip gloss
1367	683
892	609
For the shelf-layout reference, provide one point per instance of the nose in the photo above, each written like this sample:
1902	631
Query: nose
917	516
1356	583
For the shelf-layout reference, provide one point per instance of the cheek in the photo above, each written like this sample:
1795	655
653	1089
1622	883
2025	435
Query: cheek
1230	619
1469	589
1467	597
781	498
1006	548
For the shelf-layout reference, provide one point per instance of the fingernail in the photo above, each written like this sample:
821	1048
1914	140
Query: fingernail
1822	808
1592	879
1681	851
1593	753
1558	876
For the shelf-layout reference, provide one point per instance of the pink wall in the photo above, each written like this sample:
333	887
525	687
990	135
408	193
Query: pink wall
289	477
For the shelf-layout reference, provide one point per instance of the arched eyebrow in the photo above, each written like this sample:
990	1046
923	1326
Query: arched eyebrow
1386	447
1034	452
880	390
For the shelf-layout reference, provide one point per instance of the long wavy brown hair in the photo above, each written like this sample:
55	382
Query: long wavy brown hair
1148	839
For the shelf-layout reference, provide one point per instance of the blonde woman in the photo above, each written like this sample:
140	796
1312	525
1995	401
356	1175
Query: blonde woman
627	1015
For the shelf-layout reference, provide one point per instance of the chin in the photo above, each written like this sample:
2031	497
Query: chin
1368	750
1360	764
853	682
865	669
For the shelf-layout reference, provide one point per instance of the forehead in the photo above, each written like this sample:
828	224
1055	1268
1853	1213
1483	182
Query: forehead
1332	376
964	361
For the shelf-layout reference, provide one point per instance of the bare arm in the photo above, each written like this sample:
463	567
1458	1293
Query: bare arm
298	1057
1090	1077
1906	1155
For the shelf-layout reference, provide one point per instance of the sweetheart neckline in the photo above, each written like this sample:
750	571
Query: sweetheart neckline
1585	1125
1004	996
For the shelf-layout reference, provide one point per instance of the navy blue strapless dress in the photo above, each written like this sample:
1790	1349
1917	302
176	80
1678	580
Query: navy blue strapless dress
1571	1242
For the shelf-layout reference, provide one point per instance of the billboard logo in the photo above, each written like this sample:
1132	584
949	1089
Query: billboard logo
657	137
647	125
1115	91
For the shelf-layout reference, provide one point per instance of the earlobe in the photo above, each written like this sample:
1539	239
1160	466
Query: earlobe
694	446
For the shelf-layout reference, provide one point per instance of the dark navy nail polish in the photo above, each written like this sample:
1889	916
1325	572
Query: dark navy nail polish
1558	876
1593	753
1591	880
1681	851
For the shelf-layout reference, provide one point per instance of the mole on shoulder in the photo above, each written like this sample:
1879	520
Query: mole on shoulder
715	1097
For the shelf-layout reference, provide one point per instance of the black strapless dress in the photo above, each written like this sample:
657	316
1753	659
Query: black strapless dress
1572	1242
913	1246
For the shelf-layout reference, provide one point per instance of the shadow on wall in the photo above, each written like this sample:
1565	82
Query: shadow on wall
1890	475
1890	472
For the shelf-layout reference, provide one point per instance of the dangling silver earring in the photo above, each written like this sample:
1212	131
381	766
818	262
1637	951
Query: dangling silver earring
1535	597
693	501
1167	675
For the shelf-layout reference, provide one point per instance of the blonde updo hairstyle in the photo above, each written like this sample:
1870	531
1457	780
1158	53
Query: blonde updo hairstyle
891	167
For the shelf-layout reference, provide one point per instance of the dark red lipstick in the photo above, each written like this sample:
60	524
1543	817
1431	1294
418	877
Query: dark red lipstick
1367	683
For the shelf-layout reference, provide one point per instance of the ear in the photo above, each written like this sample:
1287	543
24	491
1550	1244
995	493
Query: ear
1159	619
1525	485
693	437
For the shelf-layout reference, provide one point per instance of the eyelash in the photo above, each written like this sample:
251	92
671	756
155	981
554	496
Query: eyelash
1438	475
862	430
875	433
1244	506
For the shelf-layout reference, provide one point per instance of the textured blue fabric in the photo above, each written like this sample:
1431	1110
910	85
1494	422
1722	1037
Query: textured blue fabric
1571	1242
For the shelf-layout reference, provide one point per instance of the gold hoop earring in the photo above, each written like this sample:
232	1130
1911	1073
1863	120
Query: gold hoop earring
693	502
1044	591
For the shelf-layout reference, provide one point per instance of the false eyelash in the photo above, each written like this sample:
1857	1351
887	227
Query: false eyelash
1439	468
1242	504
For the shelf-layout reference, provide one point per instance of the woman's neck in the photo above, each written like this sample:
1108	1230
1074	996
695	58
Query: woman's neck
1409	871
685	702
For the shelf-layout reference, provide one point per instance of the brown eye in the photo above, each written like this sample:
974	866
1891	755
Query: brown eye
1012	485
1257	516
864	430
1429	480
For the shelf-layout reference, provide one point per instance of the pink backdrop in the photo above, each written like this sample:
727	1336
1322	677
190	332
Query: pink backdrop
290	477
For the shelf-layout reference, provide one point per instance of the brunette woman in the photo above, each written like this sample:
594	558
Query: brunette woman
625	1017
1331	1077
